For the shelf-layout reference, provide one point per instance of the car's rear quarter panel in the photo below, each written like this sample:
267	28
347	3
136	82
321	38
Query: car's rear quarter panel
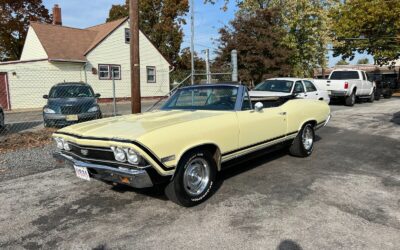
300	111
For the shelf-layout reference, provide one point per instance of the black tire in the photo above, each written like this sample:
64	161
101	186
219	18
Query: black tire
350	100
378	94
388	96
179	193
372	97
298	147
2	123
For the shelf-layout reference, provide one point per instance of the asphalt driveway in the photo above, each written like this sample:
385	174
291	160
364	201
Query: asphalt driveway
345	196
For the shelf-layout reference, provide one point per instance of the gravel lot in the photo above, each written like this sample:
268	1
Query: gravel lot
346	195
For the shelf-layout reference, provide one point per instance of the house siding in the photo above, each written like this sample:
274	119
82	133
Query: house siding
114	50
28	82
33	49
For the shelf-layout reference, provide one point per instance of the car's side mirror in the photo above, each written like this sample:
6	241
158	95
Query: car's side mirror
45	96
97	95
259	106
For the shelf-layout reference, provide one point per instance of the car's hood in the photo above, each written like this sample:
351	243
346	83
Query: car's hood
267	93
131	127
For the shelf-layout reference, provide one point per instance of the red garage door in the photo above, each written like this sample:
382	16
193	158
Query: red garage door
4	93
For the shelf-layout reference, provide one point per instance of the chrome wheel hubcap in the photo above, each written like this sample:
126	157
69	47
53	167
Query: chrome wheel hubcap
196	176
308	138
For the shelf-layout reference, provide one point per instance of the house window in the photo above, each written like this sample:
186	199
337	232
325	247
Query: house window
107	71
116	71
104	72
151	74
127	36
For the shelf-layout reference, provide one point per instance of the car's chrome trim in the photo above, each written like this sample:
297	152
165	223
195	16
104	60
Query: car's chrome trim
138	178
104	161
259	143
258	147
91	148
137	144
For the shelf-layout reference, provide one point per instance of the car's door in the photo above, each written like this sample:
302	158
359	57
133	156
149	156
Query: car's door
311	90
257	128
299	90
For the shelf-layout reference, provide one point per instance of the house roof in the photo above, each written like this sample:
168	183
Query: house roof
72	44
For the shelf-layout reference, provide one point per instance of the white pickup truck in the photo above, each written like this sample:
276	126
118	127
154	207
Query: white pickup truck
348	84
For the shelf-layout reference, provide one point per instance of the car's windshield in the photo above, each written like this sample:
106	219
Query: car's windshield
344	75
70	91
275	86
203	98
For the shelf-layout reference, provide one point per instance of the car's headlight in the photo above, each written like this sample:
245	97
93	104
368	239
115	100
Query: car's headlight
119	154
59	142
94	109
49	111
66	146
133	157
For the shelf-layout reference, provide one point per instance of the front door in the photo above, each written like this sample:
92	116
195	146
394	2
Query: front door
312	92
4	92
258	128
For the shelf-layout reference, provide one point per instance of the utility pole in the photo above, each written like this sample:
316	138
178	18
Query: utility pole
208	71
135	59
192	40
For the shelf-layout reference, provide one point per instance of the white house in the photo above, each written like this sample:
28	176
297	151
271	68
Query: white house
54	53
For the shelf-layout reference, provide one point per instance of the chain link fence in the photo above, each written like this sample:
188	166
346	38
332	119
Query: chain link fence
56	94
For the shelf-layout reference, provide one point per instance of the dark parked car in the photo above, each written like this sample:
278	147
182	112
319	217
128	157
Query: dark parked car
69	103
2	123
383	88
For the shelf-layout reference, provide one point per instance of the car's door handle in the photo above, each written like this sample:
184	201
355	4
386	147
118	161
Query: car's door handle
316	93
282	113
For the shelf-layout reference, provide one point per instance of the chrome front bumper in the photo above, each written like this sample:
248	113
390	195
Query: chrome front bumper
137	178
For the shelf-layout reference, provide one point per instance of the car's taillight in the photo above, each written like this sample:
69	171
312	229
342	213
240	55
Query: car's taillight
346	85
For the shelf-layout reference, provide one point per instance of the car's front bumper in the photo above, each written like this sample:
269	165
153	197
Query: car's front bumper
137	178
61	119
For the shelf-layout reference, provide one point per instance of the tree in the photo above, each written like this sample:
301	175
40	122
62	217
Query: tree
363	61
257	36
342	62
367	26
161	21
306	23
183	65
15	16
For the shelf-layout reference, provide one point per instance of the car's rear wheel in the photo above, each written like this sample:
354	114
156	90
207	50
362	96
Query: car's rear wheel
2	123
378	94
351	99
388	95
303	144
372	97
194	180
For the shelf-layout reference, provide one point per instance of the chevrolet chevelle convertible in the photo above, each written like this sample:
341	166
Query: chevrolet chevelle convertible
185	143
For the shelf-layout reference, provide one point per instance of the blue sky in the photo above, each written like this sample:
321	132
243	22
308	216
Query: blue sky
208	19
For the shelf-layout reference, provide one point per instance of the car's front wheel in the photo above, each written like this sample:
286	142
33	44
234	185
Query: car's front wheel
194	180
303	144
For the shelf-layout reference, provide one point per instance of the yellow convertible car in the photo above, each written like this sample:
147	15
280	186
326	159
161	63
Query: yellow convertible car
186	142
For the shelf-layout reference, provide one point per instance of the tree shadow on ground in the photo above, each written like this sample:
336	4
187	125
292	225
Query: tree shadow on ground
19	127
396	118
289	245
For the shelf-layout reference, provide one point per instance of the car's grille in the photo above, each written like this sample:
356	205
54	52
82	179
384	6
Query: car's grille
93	153
98	155
71	110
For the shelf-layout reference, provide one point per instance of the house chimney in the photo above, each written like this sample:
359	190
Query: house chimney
57	19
